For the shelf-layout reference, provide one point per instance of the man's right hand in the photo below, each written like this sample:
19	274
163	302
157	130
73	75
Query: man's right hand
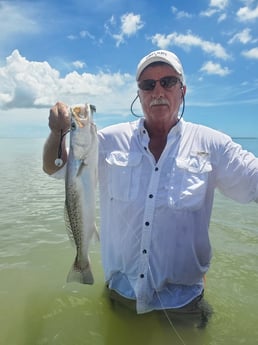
59	118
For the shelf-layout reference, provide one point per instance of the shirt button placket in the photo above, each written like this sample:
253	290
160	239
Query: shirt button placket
143	288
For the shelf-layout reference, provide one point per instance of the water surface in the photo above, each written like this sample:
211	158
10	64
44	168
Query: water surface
38	307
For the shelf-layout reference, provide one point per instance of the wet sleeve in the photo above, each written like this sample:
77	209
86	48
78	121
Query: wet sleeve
237	173
60	174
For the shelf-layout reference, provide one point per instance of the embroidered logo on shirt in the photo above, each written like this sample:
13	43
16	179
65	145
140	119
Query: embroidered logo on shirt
202	153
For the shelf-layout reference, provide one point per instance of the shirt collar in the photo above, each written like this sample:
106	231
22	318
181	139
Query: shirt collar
175	131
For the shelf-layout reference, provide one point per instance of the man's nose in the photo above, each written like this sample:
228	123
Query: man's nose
158	90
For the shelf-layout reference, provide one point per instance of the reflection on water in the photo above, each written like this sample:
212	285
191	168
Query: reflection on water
38	307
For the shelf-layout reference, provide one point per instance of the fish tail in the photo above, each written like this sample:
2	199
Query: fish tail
81	275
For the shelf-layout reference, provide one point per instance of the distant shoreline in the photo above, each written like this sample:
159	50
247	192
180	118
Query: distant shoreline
32	137
253	138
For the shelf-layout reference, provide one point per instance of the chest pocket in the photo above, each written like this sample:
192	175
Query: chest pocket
188	183
124	171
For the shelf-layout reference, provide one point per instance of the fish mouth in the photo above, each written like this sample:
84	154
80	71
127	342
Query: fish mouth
80	114
158	102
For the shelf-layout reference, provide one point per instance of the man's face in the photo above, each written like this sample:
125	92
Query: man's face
161	105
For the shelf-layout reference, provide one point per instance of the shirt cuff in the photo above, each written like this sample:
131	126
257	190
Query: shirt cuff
60	174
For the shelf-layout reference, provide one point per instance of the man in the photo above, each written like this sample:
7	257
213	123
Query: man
157	178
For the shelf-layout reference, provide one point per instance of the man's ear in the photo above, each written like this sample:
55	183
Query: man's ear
183	90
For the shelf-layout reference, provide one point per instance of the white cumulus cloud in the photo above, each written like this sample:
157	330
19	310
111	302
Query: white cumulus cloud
26	84
244	37
221	4
251	54
216	7
130	24
188	41
78	64
247	14
30	84
215	68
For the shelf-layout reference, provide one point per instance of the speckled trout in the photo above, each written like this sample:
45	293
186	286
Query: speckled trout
80	189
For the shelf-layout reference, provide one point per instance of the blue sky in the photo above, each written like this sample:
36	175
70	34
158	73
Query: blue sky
87	51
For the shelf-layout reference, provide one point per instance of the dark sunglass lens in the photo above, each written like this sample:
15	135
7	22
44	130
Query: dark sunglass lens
168	82
148	84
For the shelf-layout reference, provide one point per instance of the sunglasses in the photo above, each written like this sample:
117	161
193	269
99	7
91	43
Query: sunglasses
165	82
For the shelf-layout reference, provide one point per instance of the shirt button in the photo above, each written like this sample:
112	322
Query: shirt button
147	223
142	275
144	251
156	169
151	196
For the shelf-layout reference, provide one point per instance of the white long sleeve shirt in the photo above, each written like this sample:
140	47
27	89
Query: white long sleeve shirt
155	215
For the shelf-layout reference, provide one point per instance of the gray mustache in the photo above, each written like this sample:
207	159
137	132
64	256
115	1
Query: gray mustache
159	101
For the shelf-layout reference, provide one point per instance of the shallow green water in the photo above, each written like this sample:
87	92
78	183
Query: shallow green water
38	307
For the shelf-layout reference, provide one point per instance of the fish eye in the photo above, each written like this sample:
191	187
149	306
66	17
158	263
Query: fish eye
82	116
73	126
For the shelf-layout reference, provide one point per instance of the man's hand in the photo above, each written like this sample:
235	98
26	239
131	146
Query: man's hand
59	118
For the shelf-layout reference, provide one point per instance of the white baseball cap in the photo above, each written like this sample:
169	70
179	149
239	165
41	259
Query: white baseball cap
162	56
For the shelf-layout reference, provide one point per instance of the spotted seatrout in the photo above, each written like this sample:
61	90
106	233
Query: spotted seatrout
80	189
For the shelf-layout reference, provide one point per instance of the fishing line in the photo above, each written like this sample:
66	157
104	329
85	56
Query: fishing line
131	108
163	308
166	313
183	106
170	321
59	162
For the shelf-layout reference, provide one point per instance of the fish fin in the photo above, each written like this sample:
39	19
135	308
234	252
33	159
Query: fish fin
96	233
81	166
80	275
